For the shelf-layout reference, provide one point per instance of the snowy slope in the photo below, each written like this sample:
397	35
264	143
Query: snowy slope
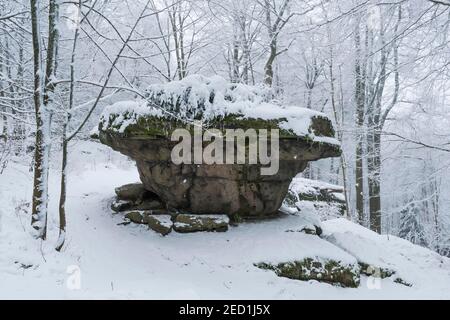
423	268
117	261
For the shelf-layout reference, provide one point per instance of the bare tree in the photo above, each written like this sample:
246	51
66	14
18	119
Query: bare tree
377	116
276	18
68	136
43	88
360	91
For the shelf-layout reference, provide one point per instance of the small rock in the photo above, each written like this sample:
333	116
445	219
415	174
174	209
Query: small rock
134	197
120	205
94	134
185	223
131	192
148	204
161	223
311	230
136	217
159	212
403	282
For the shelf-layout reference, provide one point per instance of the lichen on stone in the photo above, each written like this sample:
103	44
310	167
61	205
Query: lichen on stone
323	270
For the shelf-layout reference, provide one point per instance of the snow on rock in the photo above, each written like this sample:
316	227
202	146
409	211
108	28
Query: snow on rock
317	188
186	223
93	134
325	200
120	115
200	98
308	221
323	270
160	223
388	255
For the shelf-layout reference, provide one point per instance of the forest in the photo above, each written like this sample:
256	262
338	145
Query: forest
378	69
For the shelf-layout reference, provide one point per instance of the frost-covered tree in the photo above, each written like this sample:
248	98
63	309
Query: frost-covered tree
410	227
44	64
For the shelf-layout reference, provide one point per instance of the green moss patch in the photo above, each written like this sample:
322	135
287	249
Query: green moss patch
162	127
328	271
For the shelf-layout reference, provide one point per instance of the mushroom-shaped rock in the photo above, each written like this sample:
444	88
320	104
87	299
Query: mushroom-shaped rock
143	131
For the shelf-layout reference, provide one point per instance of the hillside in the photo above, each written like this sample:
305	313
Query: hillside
104	258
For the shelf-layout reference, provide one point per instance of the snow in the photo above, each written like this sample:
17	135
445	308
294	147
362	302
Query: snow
312	188
200	98
104	260
308	186
416	265
306	220
322	209
125	113
165	220
94	131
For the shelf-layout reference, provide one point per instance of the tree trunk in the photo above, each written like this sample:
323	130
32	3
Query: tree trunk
65	139
42	97
235	62
18	126
245	57
181	42
360	110
268	68
4	133
63	194
40	186
374	184
376	123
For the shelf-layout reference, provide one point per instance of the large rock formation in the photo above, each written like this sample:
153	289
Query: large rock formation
142	130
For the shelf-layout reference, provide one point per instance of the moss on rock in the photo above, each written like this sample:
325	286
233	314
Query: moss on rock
161	224
329	271
186	223
136	217
151	126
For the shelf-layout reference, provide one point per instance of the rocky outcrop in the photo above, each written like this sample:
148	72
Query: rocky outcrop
133	192
312	196
329	271
142	131
134	197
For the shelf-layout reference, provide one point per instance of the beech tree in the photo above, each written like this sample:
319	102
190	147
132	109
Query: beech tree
43	66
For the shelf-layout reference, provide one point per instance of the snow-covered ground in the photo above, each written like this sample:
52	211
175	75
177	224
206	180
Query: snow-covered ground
103	259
